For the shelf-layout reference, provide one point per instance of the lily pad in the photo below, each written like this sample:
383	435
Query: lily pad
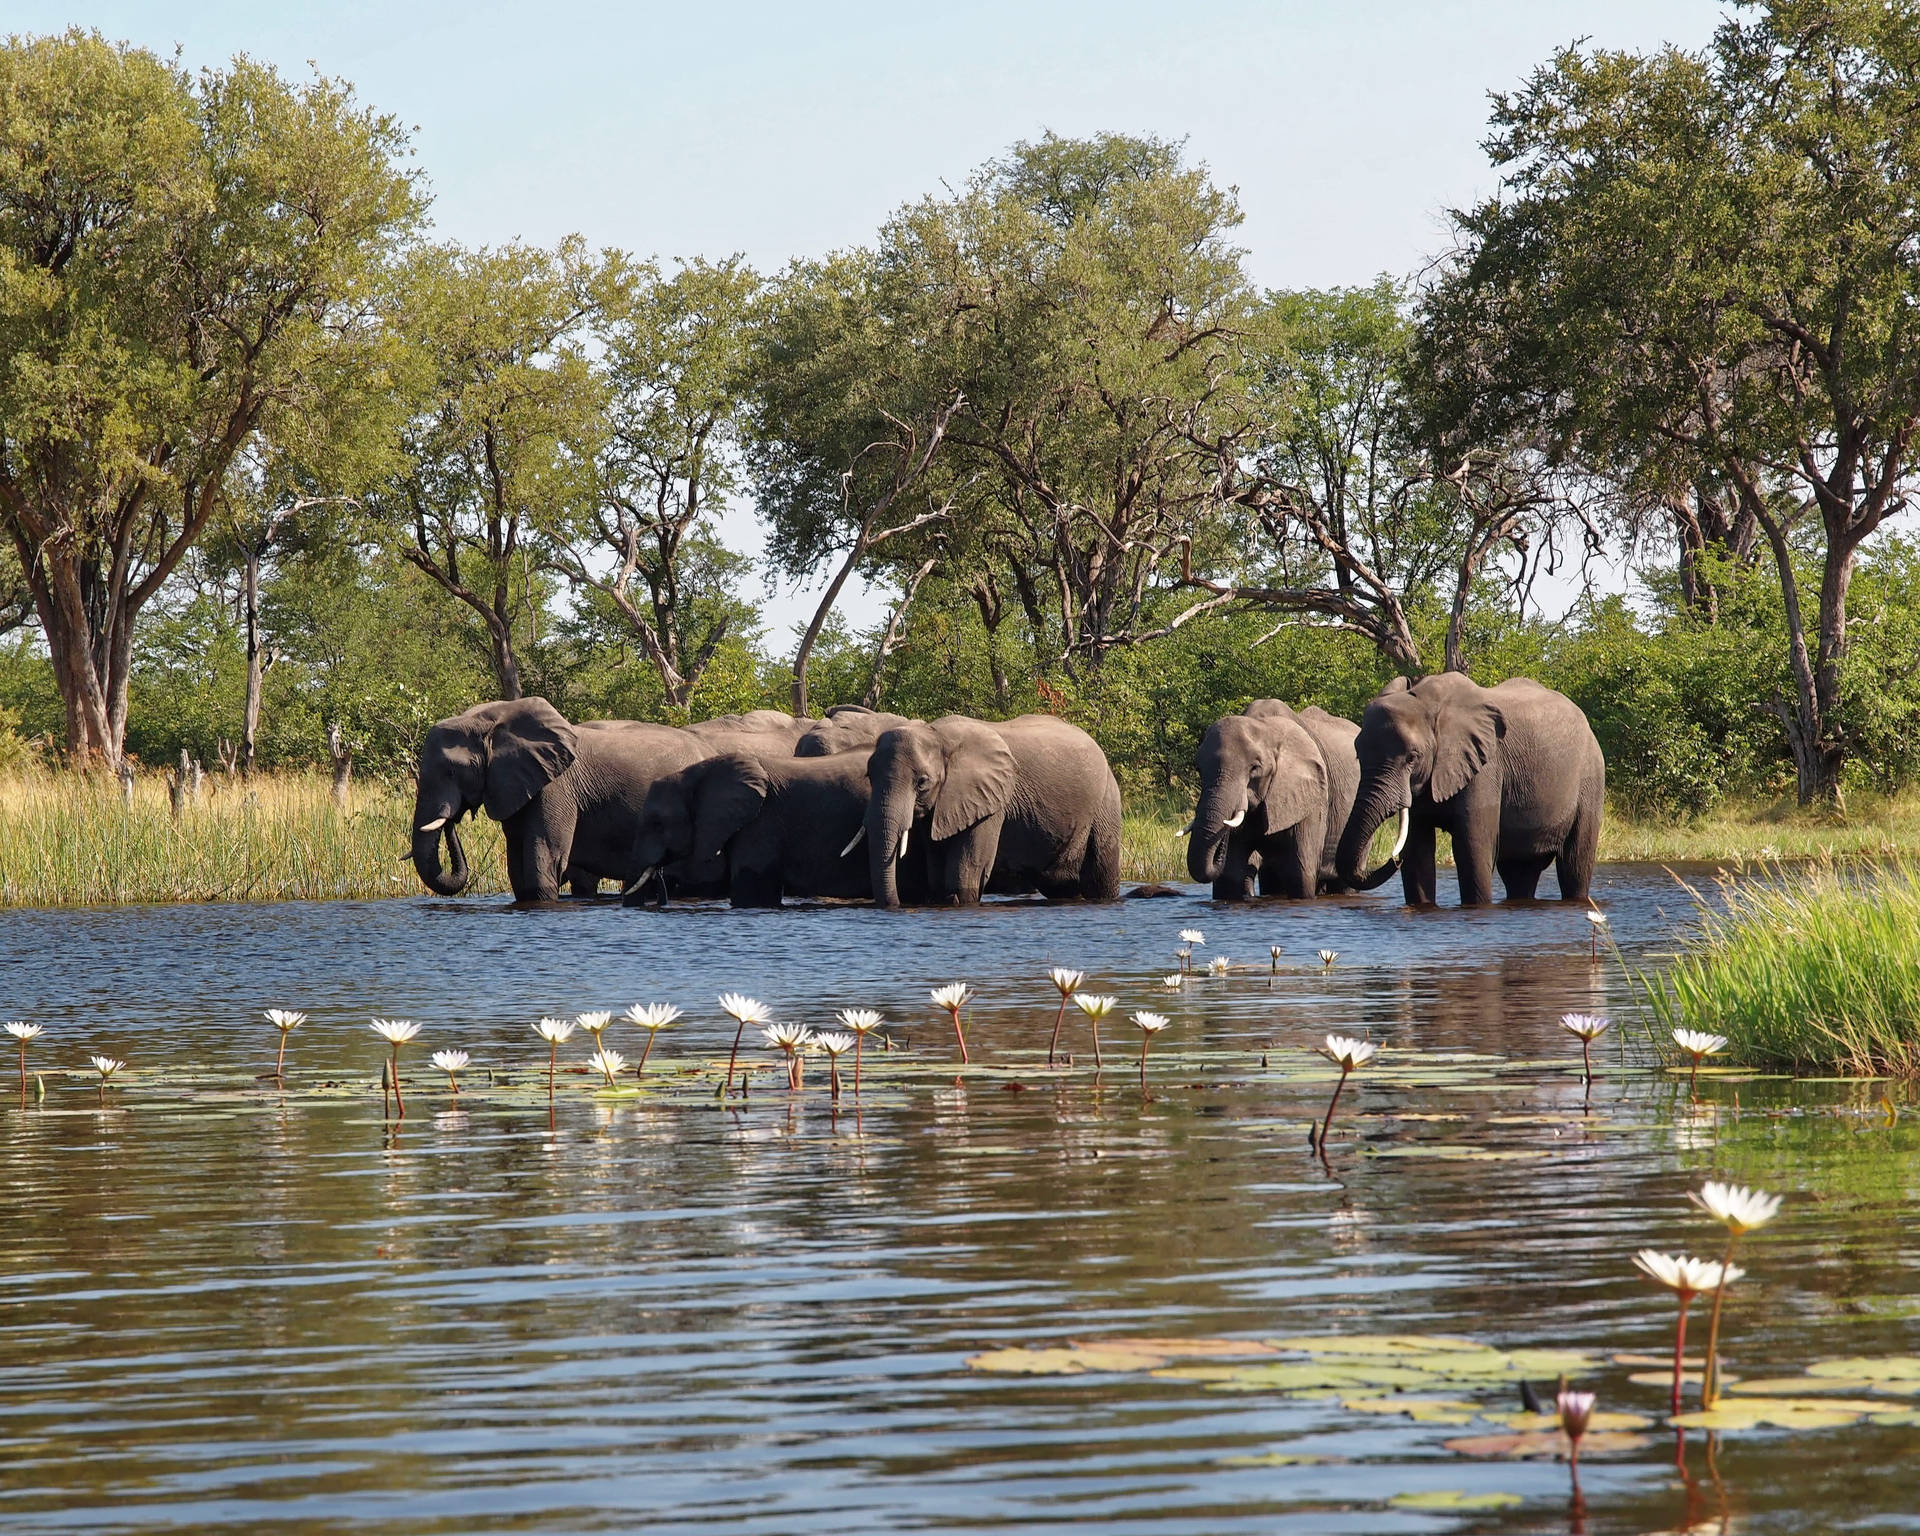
1800	1386
1665	1379
1542	1442
1451	1152
1186	1349
1372	1343
1908	1420
1777	1412
1597	1421
1075	1360
1694	1362
1422	1410
1277	1459
1886	1368
1454	1499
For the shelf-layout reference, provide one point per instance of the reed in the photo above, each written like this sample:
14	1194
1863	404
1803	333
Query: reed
73	840
1811	972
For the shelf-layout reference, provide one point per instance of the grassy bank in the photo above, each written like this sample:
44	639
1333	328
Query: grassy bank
74	841
1814	972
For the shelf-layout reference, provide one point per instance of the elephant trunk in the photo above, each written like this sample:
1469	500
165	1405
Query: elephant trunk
1381	795
1213	823
889	824
426	857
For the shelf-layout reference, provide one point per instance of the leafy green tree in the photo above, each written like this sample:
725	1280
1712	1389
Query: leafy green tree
178	257
1703	271
500	399
670	357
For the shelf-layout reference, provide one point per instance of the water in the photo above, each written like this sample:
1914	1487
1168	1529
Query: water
225	1311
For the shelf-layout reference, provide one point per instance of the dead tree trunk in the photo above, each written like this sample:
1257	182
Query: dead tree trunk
341	751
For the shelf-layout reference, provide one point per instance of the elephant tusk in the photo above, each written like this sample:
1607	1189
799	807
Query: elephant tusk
431	826
1406	825
905	832
640	880
1236	819
1187	830
855	843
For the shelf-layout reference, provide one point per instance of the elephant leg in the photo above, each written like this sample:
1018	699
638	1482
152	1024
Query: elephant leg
966	862
755	888
1288	867
1237	871
516	867
1581	851
1100	869
1419	865
1521	877
1473	866
542	835
583	885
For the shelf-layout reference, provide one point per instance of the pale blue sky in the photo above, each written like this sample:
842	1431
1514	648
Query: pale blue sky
790	129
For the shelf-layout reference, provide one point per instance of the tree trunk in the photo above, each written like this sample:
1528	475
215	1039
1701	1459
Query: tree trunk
891	638
250	722
341	751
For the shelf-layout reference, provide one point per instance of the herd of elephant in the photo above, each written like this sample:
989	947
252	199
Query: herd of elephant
866	805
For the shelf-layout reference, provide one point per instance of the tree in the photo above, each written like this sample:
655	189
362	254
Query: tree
1702	276
177	257
671	355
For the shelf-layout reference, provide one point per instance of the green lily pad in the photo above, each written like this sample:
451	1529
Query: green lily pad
1776	1412
1186	1349
1800	1386
1422	1410
1076	1360
1277	1459
1886	1368
1908	1420
1452	1152
1372	1343
1542	1442
1454	1498
1665	1379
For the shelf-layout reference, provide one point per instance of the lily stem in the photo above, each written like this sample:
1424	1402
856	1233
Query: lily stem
1332	1105
1710	1372
1053	1045
960	1035
1680	1347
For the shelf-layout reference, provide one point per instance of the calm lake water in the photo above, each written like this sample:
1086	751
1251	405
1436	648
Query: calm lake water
224	1309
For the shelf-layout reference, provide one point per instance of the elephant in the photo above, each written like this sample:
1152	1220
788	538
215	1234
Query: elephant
567	796
756	828
1021	805
1513	773
1276	788
847	728
757	732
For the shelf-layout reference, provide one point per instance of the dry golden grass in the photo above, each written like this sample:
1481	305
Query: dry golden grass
69	840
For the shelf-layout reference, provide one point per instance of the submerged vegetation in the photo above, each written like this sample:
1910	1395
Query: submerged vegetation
1816	973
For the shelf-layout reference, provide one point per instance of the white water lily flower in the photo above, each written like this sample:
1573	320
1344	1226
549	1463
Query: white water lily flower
1220	965
1742	1209
555	1031
955	994
1328	956
1596	917
743	1009
594	1022
395	1031
450	1061
1696	1043
789	1037
106	1066
1093	1005
1174	982
862	1021
284	1019
1067	981
1679	1272
1192	936
1347	1053
833	1043
24	1032
1151	1023
1576	1411
652	1016
1586	1026
608	1063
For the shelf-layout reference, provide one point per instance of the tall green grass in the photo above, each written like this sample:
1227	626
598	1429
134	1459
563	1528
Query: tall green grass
1818	970
72	840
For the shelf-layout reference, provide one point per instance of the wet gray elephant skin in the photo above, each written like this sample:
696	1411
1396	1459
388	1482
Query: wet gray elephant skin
756	829
1276	788
1512	773
1006	808
567	796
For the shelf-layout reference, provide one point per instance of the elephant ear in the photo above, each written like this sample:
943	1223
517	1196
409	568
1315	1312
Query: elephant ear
1463	744
980	776
531	744
1298	785
731	791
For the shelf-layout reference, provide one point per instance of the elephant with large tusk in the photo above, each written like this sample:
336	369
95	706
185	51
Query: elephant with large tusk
1512	773
1276	788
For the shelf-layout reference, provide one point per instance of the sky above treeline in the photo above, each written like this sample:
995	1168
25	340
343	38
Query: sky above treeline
790	129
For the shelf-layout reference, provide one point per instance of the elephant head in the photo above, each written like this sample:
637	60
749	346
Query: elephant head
688	818
950	775
1264	769
1426	738
495	757
847	728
